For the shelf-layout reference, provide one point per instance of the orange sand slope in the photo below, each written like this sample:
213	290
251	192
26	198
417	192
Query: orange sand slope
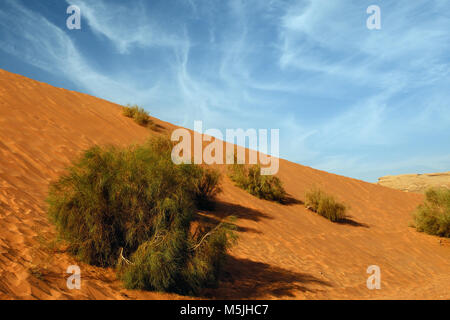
284	251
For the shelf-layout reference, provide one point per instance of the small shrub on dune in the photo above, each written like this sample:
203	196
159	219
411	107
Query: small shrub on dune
134	202
325	205
433	216
313	198
262	186
129	111
139	115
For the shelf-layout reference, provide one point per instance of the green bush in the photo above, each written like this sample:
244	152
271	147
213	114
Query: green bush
325	205
139	115
134	202
206	187
262	186
433	216
129	111
169	263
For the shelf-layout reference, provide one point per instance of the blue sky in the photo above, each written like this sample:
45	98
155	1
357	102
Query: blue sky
348	100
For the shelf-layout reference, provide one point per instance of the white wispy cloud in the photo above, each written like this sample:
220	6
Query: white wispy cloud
126	25
39	42
403	68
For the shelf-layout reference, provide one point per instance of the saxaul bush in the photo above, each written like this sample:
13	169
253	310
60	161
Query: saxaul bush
249	178
433	216
325	205
139	115
133	208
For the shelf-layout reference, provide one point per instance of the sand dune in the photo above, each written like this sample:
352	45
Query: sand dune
284	252
416	182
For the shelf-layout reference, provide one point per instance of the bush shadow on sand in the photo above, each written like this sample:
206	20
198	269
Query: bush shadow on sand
350	222
225	209
247	279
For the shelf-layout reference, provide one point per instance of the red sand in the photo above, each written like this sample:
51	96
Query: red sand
284	252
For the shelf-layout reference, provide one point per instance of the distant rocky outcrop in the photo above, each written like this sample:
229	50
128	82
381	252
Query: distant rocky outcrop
416	182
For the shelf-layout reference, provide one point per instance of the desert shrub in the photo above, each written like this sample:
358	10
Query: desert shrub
262	186
170	263
135	202
325	205
129	111
239	175
433	216
139	115
210	244
205	186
